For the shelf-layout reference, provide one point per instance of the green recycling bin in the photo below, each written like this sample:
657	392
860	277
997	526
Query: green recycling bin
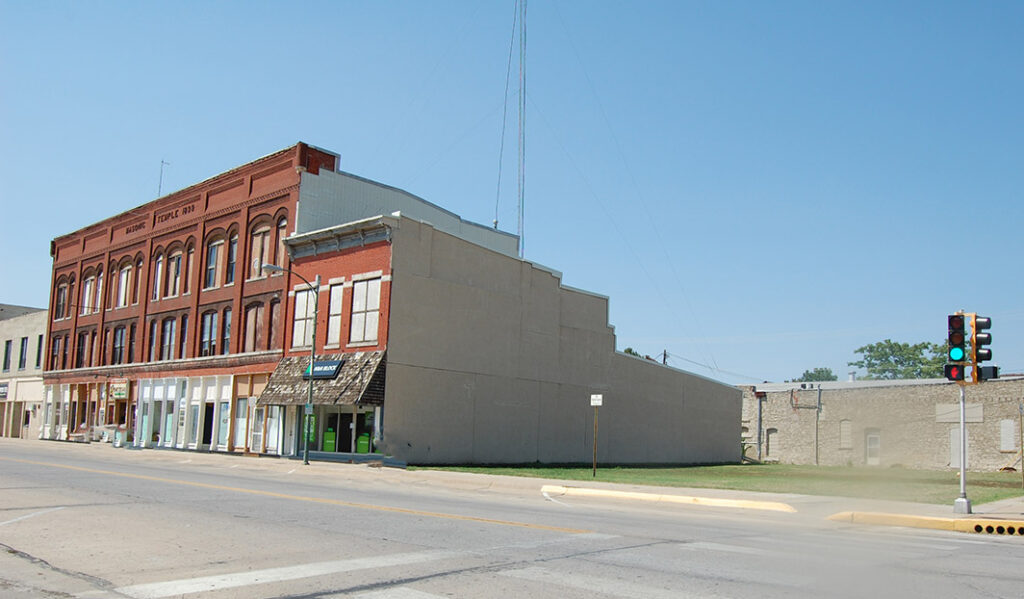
329	440
363	443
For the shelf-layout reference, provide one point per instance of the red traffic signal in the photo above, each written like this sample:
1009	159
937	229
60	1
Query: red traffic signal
954	372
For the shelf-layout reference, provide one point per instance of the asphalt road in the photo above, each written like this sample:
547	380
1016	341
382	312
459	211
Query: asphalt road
95	521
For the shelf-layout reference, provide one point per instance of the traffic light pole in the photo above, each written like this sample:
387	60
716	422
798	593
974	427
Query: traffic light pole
962	505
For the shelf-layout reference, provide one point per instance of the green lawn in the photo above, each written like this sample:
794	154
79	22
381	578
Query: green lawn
923	486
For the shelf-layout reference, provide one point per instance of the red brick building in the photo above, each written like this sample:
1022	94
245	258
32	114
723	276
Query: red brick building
166	303
434	341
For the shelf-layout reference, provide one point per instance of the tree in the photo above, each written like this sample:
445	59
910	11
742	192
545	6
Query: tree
890	359
818	374
632	352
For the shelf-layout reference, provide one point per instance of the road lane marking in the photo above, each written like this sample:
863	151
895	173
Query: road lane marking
32	515
322	500
553	500
206	584
606	586
398	593
706	546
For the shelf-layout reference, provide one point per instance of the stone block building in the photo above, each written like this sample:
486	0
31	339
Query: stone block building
914	423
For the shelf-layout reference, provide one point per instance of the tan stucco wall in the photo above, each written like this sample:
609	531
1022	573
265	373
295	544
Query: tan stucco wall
491	360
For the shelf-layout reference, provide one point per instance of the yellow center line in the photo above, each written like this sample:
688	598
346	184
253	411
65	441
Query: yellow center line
321	500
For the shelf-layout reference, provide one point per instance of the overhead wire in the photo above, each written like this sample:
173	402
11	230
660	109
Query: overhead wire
504	112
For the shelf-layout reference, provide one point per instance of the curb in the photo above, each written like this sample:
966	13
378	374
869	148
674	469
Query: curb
972	525
661	498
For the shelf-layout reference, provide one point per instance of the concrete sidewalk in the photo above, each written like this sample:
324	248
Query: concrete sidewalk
1000	517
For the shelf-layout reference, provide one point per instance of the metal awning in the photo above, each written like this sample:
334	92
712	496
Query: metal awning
360	379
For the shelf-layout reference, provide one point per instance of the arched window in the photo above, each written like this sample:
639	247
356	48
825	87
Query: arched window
281	254
259	249
225	341
167	338
138	281
158	275
124	285
232	257
188	266
211	267
208	333
172	285
253	339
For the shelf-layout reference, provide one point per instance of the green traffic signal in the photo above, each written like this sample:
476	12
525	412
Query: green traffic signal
957	338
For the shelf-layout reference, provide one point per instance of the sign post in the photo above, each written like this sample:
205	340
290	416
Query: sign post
596	400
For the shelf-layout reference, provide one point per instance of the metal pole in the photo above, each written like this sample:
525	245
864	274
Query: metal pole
817	422
315	291
595	442
962	505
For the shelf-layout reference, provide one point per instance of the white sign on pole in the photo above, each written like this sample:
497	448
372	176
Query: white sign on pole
596	399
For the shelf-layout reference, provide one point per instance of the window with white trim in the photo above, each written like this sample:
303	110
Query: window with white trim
260	246
210	277
88	289
124	277
158	275
302	332
334	315
365	311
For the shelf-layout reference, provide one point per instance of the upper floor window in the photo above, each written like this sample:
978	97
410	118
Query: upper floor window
183	341
173	283
210	278
208	334
225	341
259	245
229	272
138	281
302	332
158	275
60	302
282	227
365	311
88	292
118	346
187	268
39	352
334	315
167	338
23	354
81	350
130	357
254	331
7	355
154	339
98	301
55	353
124	278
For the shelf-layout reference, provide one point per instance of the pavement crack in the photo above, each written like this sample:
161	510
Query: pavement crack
95	581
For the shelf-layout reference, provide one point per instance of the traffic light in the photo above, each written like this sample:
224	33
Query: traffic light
954	372
979	339
957	350
986	373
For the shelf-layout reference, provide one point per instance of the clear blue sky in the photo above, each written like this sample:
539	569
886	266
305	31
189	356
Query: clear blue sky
759	187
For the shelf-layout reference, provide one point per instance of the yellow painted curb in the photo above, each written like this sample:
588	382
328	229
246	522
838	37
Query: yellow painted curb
972	525
661	498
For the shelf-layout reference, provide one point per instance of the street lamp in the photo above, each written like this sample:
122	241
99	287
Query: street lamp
315	290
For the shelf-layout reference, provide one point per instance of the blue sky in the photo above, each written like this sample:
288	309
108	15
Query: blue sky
759	187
